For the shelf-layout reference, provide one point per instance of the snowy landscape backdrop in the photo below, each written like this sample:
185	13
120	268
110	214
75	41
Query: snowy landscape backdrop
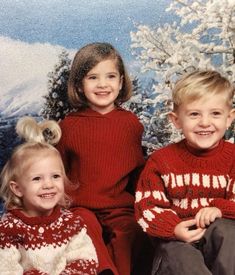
158	39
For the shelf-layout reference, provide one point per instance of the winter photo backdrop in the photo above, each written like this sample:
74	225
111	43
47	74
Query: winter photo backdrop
158	39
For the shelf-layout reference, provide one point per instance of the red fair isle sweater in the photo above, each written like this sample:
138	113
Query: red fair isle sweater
100	152
53	245
177	182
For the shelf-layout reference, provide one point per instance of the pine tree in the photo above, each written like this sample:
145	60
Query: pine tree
56	101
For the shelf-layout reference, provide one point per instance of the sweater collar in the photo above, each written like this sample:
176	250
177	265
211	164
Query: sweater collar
217	157
203	153
88	112
37	220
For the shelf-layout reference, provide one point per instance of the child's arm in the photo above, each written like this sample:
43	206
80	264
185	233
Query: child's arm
81	255
9	258
227	204
152	207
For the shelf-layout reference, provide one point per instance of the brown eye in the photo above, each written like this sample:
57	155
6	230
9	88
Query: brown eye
36	178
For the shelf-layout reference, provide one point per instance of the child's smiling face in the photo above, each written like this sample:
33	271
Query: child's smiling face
204	121
101	86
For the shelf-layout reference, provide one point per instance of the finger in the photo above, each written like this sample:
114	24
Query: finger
197	218
203	219
207	219
189	223
197	236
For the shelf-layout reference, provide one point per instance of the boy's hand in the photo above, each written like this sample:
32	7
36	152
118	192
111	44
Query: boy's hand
184	232
207	215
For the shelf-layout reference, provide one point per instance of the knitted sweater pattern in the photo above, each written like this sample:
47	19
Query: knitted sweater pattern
54	245
178	181
100	152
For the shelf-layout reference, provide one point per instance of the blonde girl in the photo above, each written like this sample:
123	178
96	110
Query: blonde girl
33	236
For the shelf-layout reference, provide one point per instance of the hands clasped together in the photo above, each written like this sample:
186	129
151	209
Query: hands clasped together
193	230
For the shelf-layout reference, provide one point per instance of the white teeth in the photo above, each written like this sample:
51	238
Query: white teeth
47	196
204	133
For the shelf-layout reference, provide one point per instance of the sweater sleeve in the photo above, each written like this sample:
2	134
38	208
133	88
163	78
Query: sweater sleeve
227	205
81	255
152	207
10	260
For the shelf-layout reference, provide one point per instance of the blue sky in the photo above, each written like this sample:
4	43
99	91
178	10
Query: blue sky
73	23
34	32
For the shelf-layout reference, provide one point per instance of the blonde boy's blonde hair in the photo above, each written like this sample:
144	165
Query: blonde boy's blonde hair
198	84
40	138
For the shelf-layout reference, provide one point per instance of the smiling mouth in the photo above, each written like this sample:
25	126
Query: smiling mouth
102	93
205	133
47	196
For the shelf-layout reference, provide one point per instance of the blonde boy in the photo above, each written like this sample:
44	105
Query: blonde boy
185	196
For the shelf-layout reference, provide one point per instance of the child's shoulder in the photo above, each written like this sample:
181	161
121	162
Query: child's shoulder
8	221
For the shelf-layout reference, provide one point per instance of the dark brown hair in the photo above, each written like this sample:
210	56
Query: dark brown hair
86	59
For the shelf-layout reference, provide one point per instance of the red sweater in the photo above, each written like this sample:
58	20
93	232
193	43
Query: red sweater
57	244
177	182
100	152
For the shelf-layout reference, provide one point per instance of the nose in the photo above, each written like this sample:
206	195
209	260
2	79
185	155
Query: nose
102	82
205	121
47	184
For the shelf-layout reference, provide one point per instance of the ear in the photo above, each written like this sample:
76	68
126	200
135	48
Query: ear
15	188
231	117
174	119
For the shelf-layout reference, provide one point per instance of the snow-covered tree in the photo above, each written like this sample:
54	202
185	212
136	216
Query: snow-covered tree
203	36
56	101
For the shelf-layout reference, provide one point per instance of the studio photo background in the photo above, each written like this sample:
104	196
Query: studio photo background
158	39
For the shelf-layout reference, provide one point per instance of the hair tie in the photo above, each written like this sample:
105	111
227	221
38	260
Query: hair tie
48	135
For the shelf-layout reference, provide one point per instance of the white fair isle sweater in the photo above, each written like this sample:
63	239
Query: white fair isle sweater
53	245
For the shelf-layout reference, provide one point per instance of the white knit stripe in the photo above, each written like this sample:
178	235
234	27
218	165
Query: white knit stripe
148	215
157	209
195	179
204	202
215	182
147	194
181	203
206	181
173	183
159	195
176	202
143	224
179	180
222	181
194	203
233	190
160	210
187	179
184	203
166	179
138	196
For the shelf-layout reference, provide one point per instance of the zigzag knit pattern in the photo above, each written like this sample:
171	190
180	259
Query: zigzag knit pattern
55	244
178	181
